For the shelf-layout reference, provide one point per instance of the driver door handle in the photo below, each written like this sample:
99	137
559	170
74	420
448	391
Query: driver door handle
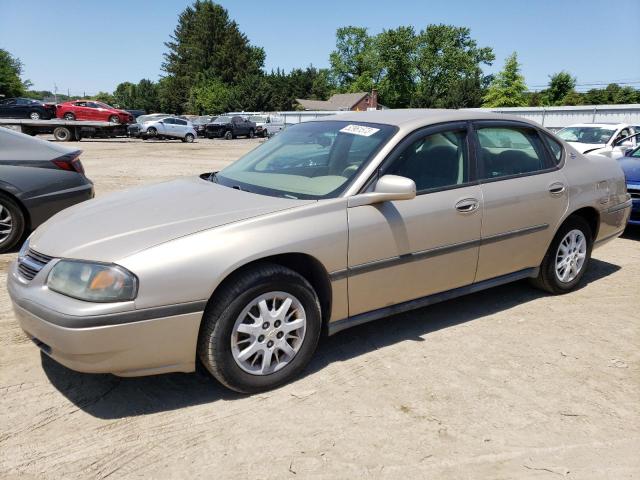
467	205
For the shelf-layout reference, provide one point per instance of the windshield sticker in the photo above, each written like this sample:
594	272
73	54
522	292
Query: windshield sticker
359	130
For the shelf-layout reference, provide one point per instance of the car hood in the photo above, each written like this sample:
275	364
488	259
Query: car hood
118	225
631	168
585	147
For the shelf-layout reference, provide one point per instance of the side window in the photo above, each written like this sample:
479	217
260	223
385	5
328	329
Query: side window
434	161
506	151
555	147
180	122
81	104
169	121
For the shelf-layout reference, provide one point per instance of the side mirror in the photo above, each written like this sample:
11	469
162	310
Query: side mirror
388	188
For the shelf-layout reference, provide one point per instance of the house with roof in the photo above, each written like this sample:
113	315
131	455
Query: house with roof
359	101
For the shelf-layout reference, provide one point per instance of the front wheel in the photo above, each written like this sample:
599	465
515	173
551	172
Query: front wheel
114	119
69	116
152	132
35	116
260	330
567	258
228	135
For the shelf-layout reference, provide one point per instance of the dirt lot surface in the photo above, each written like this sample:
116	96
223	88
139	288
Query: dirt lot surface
508	383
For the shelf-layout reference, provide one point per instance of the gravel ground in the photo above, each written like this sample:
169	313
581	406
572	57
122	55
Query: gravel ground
507	383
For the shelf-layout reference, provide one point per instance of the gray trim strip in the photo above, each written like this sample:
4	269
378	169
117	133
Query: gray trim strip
621	206
73	321
433	252
339	325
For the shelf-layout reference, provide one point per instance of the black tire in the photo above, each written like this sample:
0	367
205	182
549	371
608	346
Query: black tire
63	134
214	340
189	138
152	132
35	115
69	116
547	278
114	119
228	135
252	133
18	224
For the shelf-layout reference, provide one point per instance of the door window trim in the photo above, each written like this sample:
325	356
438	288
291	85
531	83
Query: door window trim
547	159
421	132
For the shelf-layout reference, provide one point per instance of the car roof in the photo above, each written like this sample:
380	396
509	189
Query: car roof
416	117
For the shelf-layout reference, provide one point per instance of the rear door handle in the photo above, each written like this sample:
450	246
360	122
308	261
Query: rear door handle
557	189
467	205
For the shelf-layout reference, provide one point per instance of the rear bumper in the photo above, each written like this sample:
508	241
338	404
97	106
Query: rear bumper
613	221
43	207
148	347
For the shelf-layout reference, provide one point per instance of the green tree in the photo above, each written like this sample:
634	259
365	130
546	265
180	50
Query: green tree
508	88
107	98
396	53
449	67
11	85
206	42
352	62
561	84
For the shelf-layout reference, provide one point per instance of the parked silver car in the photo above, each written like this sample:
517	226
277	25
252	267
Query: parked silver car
330	224
169	127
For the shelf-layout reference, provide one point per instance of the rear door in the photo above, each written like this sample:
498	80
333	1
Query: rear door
525	196
9	108
181	127
82	111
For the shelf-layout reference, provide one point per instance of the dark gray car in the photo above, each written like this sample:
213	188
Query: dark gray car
37	180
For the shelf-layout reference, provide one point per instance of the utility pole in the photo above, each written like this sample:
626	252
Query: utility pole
55	92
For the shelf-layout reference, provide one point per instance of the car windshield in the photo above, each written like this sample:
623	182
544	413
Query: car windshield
593	135
258	119
222	119
310	160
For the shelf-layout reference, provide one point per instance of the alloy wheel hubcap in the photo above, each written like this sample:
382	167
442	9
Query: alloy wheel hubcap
268	333
35	116
571	255
6	223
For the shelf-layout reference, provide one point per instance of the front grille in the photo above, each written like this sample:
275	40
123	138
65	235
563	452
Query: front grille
31	264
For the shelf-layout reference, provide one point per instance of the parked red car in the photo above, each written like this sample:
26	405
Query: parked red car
92	110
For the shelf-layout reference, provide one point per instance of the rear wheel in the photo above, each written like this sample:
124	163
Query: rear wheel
12	223
69	116
251	133
35	116
567	258
261	329
189	138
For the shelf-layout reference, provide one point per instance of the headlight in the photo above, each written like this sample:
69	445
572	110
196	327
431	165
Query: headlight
93	282
24	249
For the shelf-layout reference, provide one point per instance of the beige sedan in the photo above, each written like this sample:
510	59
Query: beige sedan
330	224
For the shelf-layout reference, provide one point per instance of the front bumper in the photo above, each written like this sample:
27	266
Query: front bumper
634	191
106	343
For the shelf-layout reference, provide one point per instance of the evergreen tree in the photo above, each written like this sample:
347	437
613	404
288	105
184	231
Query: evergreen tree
508	88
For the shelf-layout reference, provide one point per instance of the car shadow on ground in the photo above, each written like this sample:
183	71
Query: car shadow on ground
110	397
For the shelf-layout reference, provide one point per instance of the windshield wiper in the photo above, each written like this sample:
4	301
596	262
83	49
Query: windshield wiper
213	177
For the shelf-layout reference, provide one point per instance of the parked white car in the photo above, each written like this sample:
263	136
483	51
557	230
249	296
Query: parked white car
170	127
267	125
601	138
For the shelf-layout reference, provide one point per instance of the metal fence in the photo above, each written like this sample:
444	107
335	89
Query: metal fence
553	118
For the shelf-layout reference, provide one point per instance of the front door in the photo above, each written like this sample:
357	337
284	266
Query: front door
404	250
525	196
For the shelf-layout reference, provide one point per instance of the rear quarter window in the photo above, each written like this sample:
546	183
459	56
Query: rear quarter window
555	147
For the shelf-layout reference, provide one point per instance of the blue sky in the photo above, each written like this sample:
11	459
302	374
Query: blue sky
88	46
